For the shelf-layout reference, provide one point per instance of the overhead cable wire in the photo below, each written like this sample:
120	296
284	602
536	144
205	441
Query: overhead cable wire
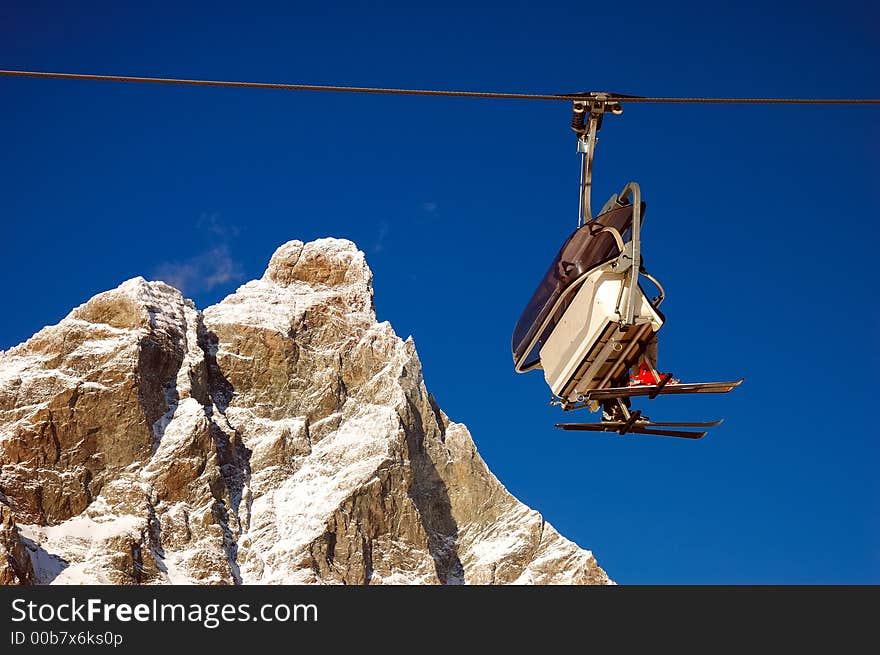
433	92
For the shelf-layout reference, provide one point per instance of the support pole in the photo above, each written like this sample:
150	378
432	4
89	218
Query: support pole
586	121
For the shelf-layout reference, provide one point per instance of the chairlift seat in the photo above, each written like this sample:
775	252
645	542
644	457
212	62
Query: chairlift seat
587	348
573	326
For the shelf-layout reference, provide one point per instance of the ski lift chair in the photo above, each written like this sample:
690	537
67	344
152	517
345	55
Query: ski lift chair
589	320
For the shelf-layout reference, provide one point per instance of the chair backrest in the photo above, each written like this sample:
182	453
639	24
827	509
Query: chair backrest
587	248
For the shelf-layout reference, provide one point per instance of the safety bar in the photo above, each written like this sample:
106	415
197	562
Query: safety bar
615	235
662	295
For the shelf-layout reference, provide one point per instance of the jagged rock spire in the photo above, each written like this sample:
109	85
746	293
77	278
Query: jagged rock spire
280	436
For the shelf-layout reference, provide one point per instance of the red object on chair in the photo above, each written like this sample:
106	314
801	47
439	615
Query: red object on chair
644	376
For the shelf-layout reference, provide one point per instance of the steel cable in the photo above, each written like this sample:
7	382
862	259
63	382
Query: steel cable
430	92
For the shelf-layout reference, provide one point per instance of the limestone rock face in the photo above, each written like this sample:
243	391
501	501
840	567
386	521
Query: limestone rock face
15	561
280	436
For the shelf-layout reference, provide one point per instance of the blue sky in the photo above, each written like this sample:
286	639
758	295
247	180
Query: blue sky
760	225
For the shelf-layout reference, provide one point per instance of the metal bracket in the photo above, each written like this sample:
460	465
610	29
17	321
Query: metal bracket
625	259
612	203
662	383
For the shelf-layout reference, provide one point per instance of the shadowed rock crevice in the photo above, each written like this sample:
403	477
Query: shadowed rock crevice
438	416
230	547
431	498
234	465
218	390
233	457
49	566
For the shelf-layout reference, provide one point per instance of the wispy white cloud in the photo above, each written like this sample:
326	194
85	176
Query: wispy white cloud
210	268
201	272
430	207
380	240
216	227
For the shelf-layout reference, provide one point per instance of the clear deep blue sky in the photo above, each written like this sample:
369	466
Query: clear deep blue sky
761	224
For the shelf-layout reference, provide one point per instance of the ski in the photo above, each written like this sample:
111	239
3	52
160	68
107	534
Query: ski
644	427
669	389
665	424
669	433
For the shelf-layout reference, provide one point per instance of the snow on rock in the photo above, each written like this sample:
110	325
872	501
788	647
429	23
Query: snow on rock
280	436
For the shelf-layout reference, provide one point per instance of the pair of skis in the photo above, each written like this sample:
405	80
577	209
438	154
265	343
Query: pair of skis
635	424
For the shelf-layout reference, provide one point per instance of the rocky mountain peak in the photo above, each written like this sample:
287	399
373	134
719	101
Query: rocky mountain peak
327	262
282	435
